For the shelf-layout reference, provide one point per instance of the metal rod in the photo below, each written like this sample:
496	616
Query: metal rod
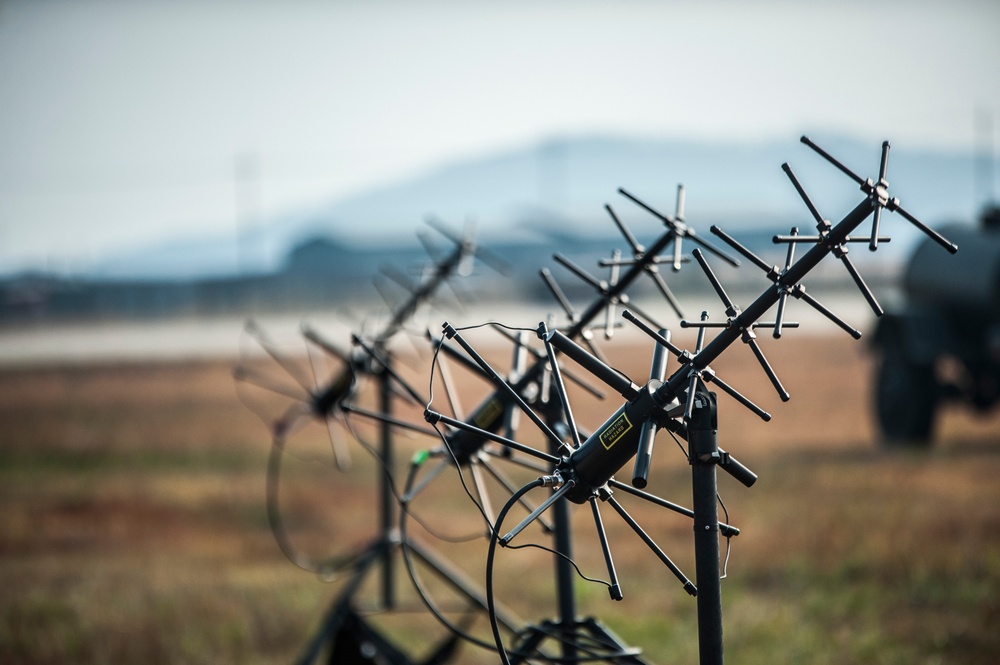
387	419
629	238
879	194
660	339
820	221
557	292
716	284
542	507
828	157
660	554
644	452
580	272
386	502
724	529
681	230
614	589
449	388
506	483
614	379
626	280
759	307
451	333
265	343
609	309
894	206
732	242
571	376
661	284
779	239
712	377
860	283
800	293
752	343
434	416
559	385
310	334
386	364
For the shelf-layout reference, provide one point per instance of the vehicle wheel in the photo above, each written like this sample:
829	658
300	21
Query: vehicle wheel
906	397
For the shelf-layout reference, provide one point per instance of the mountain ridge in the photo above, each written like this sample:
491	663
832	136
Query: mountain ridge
559	186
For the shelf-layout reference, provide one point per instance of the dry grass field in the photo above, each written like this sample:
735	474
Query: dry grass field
133	526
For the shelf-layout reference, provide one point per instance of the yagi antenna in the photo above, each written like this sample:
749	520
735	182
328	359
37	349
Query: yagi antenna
681	403
877	193
642	260
652	266
679	229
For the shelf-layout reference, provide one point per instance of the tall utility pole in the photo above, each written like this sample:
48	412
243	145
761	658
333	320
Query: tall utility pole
246	179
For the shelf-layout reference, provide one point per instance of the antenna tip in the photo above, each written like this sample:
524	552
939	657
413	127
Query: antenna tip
885	144
804	139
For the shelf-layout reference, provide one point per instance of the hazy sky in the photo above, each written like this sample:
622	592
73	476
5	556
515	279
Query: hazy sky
125	123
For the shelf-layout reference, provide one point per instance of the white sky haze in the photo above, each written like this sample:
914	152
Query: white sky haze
122	123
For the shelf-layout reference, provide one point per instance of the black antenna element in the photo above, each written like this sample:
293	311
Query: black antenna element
489	415
877	193
541	384
683	404
314	400
594	463
680	229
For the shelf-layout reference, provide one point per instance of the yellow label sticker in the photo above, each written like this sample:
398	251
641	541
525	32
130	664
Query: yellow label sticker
488	414
616	430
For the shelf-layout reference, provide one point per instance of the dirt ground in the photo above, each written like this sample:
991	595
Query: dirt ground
133	525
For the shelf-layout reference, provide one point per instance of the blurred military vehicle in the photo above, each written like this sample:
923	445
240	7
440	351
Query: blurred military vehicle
943	343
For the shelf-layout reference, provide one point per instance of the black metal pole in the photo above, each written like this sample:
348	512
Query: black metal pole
564	576
677	383
386	502
615	290
562	540
703	450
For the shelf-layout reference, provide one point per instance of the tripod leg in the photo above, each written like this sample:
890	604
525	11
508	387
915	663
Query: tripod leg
341	605
458	581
